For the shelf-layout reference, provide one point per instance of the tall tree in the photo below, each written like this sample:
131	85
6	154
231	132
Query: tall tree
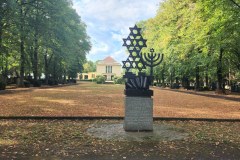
42	37
198	36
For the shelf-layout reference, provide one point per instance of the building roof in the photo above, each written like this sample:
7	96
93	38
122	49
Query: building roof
109	61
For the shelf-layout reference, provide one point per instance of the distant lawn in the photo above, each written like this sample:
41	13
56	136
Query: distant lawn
90	99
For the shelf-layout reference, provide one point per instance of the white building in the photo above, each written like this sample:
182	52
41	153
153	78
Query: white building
109	68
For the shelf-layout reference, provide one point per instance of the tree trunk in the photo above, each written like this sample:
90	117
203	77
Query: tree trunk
163	80
46	66
207	80
197	86
6	67
54	71
64	77
220	88
206	77
163	75
46	69
177	80
22	68
3	75
22	54
35	65
171	78
177	86
185	82
1	78
35	59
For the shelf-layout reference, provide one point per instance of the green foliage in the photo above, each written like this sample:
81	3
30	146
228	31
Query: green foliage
42	37
26	83
37	83
119	80
2	85
238	76
199	40
100	79
89	66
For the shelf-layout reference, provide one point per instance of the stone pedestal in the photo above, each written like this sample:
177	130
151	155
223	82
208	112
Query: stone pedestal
138	114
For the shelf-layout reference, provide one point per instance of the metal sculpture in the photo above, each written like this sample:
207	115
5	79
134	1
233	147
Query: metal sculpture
152	60
134	43
138	85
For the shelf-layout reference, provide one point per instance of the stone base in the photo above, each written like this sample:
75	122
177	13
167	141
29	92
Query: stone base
138	114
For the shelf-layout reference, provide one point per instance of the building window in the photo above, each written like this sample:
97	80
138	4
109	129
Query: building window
108	69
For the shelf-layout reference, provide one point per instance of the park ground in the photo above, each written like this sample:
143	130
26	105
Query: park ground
69	139
90	99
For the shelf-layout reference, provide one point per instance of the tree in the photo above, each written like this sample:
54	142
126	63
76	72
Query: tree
6	12
198	36
89	66
42	36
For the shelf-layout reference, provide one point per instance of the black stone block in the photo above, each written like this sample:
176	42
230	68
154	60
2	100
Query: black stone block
138	93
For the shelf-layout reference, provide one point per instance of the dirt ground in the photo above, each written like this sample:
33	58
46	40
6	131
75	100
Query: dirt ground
90	99
70	140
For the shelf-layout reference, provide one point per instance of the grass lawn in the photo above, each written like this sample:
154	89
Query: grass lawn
66	139
90	99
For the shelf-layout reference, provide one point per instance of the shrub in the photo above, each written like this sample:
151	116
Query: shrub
37	83
2	85
88	80
205	88
175	86
52	82
119	80
26	84
100	79
72	81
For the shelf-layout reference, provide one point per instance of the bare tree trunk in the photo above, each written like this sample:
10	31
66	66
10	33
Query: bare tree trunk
185	82
220	88
35	64
55	71
171	77
6	67
22	54
35	59
46	66
206	77
197	86
163	75
2	77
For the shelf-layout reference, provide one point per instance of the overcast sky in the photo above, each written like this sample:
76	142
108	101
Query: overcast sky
108	21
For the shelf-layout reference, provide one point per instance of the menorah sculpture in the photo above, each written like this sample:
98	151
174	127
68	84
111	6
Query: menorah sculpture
138	101
152	60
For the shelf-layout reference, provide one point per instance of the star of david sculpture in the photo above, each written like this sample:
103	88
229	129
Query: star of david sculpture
138	101
139	85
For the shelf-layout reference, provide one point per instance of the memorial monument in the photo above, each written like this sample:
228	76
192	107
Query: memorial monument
138	99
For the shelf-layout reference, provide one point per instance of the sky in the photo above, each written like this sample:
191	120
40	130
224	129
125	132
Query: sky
108	22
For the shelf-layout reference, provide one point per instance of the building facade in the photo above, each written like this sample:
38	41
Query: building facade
87	76
109	68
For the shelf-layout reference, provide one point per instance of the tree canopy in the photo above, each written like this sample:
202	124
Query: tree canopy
41	37
200	40
89	66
